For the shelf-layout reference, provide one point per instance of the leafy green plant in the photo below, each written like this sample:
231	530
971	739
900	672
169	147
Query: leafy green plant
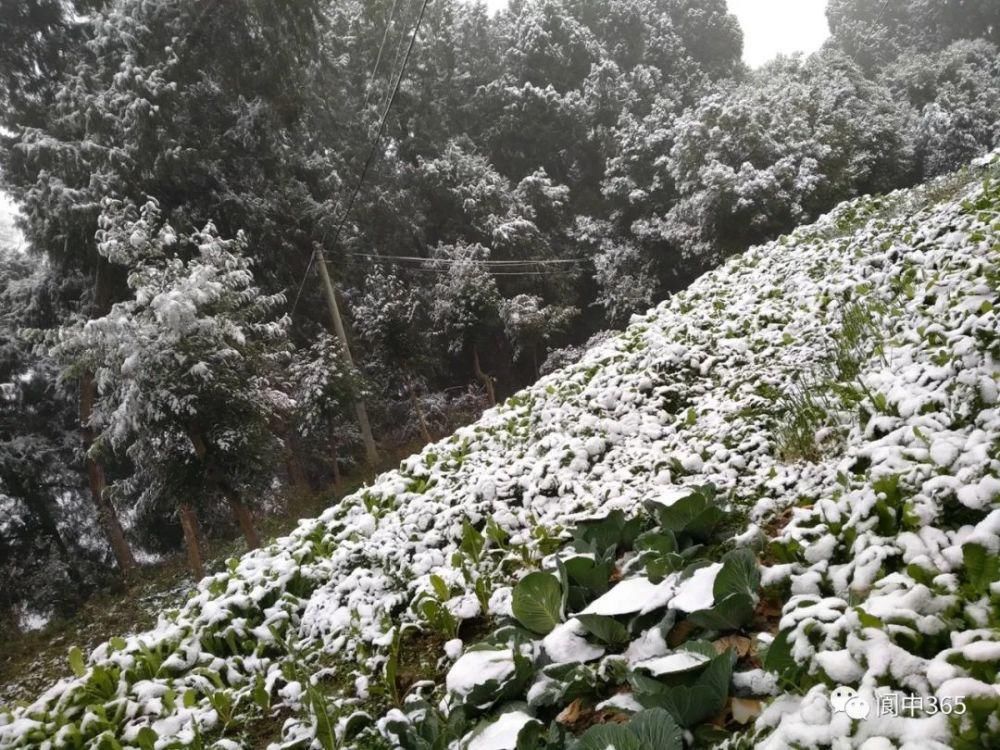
585	578
495	691
424	727
433	608
606	629
391	669
817	399
694	516
538	602
607	536
735	593
651	729
779	661
981	569
690	697
76	662
224	705
661	554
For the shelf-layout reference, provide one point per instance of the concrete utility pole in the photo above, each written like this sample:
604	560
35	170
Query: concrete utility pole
338	325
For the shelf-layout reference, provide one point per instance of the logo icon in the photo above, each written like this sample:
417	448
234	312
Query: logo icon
846	700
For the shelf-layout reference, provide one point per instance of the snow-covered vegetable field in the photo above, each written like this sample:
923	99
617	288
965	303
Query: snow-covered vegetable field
780	481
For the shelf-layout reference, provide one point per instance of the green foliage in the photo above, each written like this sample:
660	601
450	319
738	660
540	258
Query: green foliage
586	578
695	516
690	697
606	629
538	602
541	600
607	536
982	569
425	728
821	397
433	608
76	662
473	542
734	591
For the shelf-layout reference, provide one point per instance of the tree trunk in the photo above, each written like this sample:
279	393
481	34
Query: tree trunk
189	522
46	518
296	474
338	480
95	471
95	477
243	517
240	511
43	506
425	432
485	379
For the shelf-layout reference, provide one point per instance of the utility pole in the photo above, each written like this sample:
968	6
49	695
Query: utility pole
338	325
328	290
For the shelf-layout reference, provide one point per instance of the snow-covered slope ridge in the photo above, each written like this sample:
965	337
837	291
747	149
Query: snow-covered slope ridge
838	386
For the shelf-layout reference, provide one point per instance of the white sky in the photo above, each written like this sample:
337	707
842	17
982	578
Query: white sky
770	27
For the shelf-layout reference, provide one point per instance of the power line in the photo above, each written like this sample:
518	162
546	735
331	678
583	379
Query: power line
302	284
381	49
497	273
395	59
454	261
381	125
538	272
371	151
881	13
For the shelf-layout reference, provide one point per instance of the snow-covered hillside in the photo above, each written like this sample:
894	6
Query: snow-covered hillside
808	442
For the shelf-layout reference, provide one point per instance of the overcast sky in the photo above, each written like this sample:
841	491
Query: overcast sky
770	27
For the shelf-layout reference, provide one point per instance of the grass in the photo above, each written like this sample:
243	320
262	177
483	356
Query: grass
814	400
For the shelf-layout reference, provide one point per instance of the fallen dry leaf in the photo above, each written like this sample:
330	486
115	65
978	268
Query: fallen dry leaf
578	717
572	713
679	633
745	709
738	643
613	717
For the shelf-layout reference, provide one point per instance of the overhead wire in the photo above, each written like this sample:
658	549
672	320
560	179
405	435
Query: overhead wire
381	125
452	261
394	91
381	49
498	271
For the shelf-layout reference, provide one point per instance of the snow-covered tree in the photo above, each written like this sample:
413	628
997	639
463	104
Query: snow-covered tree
51	549
391	319
790	143
530	325
876	33
626	278
187	369
466	304
323	389
956	95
